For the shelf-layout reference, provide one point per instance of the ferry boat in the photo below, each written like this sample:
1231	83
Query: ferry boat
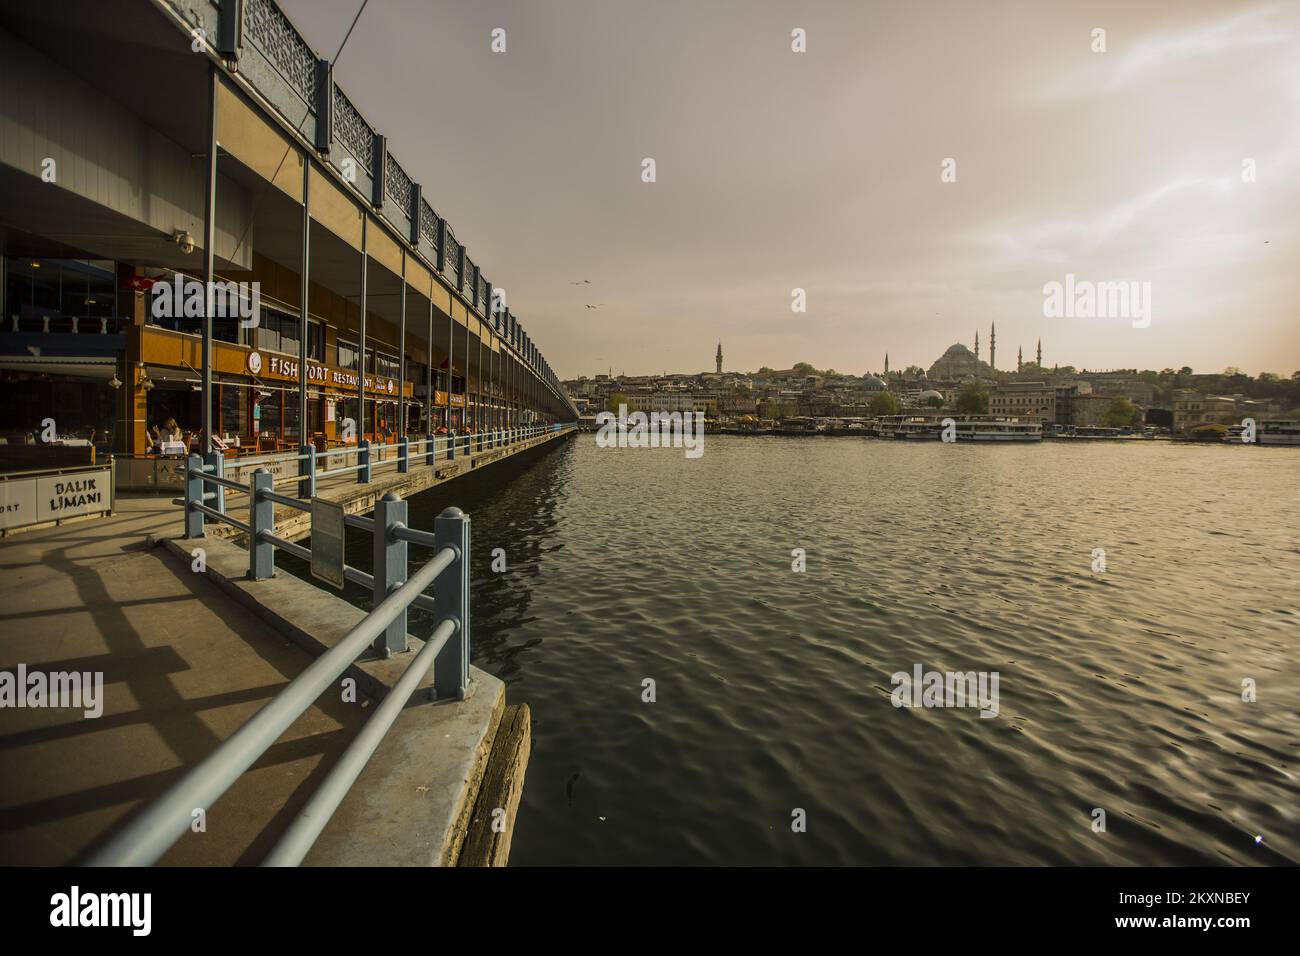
990	428
1077	432
907	427
1279	432
798	426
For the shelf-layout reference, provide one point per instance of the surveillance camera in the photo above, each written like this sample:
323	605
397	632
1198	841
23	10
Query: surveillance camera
185	240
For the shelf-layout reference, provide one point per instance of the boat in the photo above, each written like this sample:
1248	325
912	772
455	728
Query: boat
798	427
1080	432
1278	432
907	427
1000	429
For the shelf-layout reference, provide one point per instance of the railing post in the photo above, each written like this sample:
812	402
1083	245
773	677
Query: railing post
363	459
430	448
451	600
261	513
451	444
390	569
307	468
403	455
193	493
217	462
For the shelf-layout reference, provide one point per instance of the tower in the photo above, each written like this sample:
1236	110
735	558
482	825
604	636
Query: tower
1039	362
886	365
977	345
993	346
1020	358
719	358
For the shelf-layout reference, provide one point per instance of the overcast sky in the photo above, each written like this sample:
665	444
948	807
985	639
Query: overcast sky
821	170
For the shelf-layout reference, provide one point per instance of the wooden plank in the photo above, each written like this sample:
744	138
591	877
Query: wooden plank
500	791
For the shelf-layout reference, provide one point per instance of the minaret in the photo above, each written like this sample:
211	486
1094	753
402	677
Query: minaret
1040	353
993	346
886	365
977	345
719	358
1020	359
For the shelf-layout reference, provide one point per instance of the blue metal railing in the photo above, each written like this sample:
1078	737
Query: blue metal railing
148	836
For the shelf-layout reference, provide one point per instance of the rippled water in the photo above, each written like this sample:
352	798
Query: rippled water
1120	690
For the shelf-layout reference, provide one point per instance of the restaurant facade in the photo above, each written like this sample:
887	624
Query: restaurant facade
158	279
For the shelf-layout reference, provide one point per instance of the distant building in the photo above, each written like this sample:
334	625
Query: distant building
958	363
1035	400
1191	410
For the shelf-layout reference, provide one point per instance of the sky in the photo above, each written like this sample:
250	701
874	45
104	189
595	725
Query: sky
1171	157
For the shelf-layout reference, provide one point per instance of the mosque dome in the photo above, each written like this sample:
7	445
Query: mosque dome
928	394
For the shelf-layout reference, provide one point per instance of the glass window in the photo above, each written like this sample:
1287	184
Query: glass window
268	330
347	354
268	411
315	340
289	333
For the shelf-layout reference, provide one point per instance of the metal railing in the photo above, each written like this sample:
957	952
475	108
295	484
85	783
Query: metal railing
148	836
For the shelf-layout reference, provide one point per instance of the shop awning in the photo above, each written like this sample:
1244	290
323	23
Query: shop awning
100	367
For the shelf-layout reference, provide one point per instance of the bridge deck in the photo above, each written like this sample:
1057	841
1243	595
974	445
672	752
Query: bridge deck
184	666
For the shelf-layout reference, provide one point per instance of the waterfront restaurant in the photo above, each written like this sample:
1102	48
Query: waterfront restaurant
244	164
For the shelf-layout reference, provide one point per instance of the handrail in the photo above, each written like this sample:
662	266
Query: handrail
152	832
148	835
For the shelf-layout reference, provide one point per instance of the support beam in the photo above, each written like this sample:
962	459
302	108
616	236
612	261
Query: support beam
209	258
401	357
361	336
304	434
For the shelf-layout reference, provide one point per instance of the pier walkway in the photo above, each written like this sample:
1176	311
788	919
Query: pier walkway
184	666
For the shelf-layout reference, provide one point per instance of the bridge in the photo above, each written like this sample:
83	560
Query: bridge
217	275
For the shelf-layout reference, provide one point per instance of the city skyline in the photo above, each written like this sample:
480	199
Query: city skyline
821	170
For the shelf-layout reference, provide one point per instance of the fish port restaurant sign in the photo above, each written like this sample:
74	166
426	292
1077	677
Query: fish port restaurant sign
170	349
40	497
273	366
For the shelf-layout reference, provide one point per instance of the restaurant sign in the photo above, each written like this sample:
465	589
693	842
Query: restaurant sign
36	498
273	366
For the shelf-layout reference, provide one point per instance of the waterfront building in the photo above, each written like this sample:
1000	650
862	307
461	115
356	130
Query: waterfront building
342	295
1033	400
1192	409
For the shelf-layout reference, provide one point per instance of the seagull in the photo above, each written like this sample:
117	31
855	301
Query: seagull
595	306
583	282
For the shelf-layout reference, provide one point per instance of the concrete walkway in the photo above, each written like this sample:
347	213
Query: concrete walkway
184	666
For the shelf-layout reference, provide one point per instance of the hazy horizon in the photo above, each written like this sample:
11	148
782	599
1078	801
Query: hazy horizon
821	170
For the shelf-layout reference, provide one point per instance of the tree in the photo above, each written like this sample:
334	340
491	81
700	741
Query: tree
972	400
615	399
1121	413
935	401
884	403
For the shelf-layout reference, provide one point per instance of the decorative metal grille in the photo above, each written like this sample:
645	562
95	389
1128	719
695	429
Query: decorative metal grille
482	296
281	44
397	184
353	132
428	223
468	290
452	254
